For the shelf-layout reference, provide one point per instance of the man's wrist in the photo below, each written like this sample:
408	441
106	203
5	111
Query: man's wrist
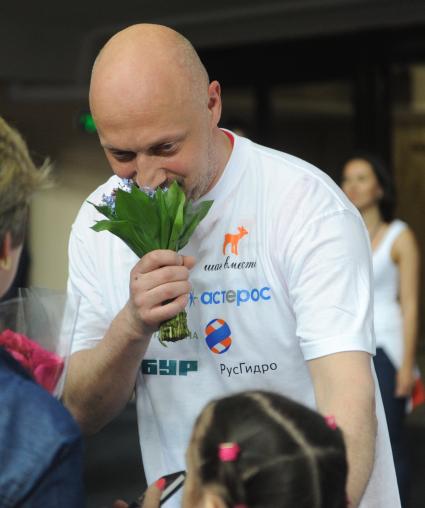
131	327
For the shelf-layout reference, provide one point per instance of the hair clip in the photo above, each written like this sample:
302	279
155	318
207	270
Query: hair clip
228	452
331	422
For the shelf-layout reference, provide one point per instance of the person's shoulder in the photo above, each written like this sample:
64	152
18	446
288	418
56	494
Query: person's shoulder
397	231
398	225
402	237
289	166
306	184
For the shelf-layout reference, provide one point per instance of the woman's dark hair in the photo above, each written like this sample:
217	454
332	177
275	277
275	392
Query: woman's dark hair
289	456
388	201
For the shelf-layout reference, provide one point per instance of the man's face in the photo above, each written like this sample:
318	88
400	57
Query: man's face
158	142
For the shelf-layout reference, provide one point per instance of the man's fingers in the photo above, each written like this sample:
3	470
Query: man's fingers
155	315
161	294
160	276
159	287
189	261
158	258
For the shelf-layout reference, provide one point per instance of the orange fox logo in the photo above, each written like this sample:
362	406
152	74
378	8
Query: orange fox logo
234	240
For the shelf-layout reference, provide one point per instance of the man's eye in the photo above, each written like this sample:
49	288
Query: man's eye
164	149
123	156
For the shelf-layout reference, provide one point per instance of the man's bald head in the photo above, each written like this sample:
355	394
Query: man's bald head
156	112
150	60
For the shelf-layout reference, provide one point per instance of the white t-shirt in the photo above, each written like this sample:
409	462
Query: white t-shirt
388	321
283	275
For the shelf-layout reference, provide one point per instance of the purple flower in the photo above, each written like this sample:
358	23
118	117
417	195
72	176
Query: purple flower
148	190
109	201
126	184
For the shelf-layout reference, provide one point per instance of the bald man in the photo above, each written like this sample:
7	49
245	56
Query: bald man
279	297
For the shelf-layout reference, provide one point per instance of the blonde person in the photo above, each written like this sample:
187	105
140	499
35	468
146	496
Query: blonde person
275	280
366	181
40	443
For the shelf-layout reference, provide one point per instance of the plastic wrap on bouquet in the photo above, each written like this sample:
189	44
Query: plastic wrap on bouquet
37	329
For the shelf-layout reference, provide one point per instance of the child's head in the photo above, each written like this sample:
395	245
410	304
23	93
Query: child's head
259	449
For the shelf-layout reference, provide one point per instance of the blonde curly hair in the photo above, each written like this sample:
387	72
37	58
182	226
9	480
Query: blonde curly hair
19	180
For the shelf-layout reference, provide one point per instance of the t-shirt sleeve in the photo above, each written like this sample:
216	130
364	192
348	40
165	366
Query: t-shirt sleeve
329	276
92	319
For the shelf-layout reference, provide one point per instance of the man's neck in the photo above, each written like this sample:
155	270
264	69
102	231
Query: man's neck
222	150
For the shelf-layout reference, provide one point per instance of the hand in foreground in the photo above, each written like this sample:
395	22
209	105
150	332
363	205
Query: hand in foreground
160	276
150	499
163	488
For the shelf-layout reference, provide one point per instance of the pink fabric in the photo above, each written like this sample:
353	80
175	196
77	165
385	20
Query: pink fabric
44	366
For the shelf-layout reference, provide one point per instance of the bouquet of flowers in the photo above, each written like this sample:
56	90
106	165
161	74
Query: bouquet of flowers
37	330
146	220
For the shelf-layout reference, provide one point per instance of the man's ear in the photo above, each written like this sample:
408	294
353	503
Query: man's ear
5	252
214	101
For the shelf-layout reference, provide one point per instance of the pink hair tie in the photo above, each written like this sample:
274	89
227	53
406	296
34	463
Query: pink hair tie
228	452
331	422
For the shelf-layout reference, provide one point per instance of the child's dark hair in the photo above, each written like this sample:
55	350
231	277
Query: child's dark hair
388	201
289	456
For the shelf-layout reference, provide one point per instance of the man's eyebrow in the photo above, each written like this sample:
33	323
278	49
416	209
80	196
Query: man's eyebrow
160	141
112	148
118	150
168	139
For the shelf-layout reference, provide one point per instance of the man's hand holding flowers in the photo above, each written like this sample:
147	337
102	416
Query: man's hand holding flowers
159	276
155	224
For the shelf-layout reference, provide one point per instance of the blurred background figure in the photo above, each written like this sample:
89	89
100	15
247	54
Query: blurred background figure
40	443
262	450
367	182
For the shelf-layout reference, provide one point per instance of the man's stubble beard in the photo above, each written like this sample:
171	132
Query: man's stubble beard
205	178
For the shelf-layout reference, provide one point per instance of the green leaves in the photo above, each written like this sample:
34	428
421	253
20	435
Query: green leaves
128	234
164	221
192	217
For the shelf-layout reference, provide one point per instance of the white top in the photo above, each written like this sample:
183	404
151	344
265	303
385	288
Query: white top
388	320
283	275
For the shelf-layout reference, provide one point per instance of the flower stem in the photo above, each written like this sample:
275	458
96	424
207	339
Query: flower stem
174	329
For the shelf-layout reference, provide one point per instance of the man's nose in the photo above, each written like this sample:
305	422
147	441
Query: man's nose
148	172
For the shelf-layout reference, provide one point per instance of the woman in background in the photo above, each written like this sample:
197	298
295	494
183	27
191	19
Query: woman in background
367	183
